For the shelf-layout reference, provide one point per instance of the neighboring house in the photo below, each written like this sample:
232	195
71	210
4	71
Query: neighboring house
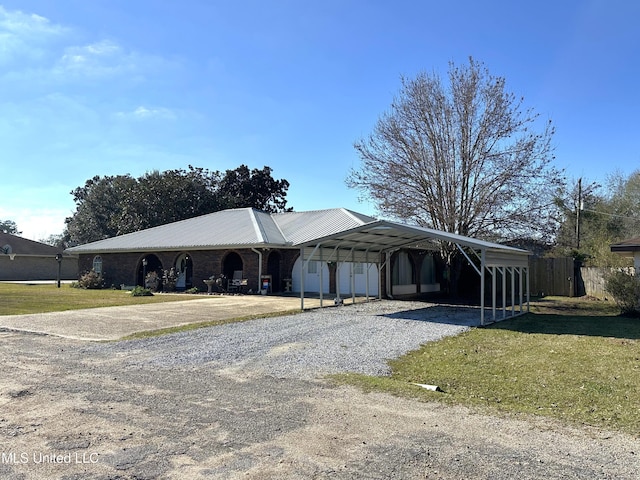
23	260
629	248
334	251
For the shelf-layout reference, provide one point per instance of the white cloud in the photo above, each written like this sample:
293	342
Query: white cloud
35	50
37	222
25	36
106	59
101	59
145	113
27	24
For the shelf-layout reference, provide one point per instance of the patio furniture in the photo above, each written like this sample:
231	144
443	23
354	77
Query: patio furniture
237	283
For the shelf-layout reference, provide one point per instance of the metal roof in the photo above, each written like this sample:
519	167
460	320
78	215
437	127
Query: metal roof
330	231
242	227
382	235
301	227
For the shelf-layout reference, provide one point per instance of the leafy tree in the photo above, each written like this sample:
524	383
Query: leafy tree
607	214
99	205
114	205
256	188
461	156
625	203
9	226
165	197
55	240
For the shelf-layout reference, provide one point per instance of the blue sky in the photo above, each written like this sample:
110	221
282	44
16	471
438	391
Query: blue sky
106	87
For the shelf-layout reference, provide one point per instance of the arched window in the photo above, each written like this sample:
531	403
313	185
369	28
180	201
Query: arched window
97	264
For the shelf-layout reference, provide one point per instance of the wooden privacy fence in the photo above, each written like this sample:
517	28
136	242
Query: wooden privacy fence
552	276
593	279
560	276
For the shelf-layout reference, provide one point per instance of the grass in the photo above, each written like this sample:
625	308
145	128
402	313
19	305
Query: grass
17	299
569	359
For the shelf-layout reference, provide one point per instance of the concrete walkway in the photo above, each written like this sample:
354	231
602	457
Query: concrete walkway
113	323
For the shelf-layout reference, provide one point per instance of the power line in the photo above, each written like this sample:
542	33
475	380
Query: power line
611	214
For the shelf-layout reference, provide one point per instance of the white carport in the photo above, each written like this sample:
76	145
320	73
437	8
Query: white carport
373	244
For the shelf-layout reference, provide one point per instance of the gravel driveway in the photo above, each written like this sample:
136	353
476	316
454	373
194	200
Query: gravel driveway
248	400
358	338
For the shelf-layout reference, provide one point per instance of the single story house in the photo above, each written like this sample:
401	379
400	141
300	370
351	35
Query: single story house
629	248
22	259
328	252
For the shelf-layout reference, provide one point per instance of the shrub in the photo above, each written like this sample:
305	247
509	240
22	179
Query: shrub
193	290
90	281
152	281
139	291
169	280
625	290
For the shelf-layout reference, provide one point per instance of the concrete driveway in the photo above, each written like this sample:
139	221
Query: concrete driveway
113	323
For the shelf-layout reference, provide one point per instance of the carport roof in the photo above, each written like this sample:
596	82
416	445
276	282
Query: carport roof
382	235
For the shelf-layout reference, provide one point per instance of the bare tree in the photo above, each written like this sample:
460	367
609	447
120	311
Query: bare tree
462	157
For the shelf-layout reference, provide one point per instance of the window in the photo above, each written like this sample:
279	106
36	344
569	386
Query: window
358	268
428	271
313	267
402	273
97	264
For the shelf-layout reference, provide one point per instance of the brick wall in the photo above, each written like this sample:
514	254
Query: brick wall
124	268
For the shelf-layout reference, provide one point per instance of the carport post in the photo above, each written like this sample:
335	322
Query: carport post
387	262
321	282
528	290
301	278
493	292
353	280
513	291
338	276
520	272
482	285
504	292
380	266
366	278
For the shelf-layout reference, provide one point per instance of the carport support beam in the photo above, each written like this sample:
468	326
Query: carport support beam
504	292
321	280
353	280
482	285
366	280
301	278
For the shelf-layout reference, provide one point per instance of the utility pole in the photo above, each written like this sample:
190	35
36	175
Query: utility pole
578	208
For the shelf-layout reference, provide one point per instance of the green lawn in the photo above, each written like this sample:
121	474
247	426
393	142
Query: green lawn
18	299
575	360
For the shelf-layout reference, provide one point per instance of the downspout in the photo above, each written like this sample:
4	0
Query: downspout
259	267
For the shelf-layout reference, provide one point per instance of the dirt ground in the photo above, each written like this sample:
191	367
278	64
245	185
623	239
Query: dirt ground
70	410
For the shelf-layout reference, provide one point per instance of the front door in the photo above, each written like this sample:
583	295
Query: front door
183	267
